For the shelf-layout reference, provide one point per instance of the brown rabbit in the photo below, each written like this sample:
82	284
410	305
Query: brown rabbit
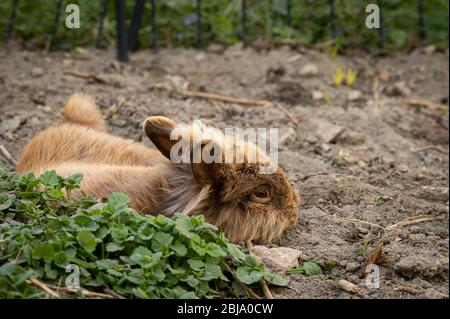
243	203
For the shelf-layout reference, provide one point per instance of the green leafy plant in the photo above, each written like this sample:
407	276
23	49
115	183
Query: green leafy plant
43	229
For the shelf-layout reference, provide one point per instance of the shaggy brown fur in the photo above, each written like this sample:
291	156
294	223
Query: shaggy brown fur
243	203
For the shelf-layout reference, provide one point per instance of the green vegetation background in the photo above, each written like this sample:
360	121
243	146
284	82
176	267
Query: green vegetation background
221	22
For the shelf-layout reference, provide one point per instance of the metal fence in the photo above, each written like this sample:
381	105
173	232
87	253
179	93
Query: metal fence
127	37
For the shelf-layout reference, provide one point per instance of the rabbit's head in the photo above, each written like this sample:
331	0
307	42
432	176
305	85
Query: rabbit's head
235	195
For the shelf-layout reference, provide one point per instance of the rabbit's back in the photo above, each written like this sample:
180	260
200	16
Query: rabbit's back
76	143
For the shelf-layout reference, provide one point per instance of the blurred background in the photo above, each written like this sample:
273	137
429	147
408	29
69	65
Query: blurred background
405	23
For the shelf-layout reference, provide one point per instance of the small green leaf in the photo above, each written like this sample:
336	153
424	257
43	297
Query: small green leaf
248	276
118	200
192	281
113	247
276	279
212	271
87	240
144	251
50	272
44	251
6	201
103	232
7	269
160	239
214	250
236	252
179	248
312	269
119	234
56	194
198	249
50	178
196	265
106	263
60	257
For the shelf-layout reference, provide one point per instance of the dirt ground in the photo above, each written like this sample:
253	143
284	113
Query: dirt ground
373	175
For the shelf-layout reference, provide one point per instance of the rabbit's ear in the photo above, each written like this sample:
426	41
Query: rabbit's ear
206	173
158	129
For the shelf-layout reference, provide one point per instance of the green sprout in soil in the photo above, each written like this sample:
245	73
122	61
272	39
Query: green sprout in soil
362	249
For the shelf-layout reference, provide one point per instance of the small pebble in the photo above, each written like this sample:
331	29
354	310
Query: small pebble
325	148
417	237
353	279
316	95
363	230
352	267
414	229
37	72
309	69
354	95
118	123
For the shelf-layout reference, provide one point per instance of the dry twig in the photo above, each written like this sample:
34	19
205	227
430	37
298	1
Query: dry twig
8	156
213	96
113	110
432	148
54	291
84	292
376	257
113	294
288	114
404	222
358	221
43	286
428	104
410	221
337	136
376	94
250	293
86	75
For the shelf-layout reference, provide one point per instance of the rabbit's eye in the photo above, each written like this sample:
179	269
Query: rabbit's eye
260	196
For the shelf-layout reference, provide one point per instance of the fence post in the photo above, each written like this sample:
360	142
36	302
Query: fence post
102	21
199	22
381	33
12	20
244	21
421	8
332	18
122	51
55	24
289	13
153	23
135	24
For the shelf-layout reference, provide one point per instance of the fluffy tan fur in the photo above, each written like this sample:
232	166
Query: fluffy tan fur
222	192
